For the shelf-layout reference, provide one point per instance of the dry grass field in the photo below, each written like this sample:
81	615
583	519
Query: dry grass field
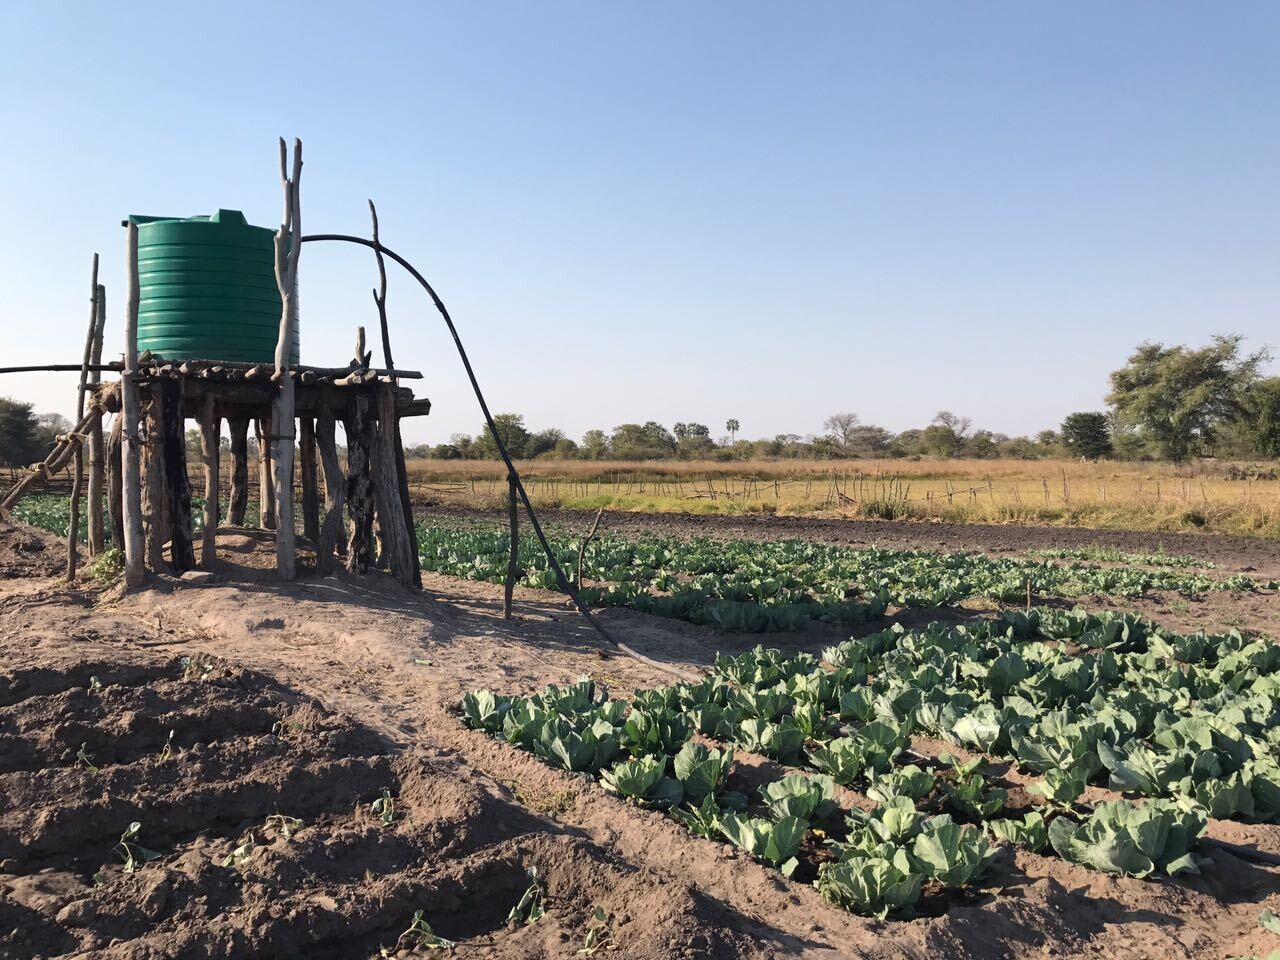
1226	498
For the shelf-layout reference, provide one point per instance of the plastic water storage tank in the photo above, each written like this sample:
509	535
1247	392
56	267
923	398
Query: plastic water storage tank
207	289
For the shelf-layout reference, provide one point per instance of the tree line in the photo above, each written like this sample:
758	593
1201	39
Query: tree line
1166	403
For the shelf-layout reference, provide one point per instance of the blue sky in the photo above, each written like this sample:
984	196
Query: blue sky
678	211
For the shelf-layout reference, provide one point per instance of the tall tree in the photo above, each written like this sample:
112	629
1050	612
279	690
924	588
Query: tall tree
692	439
840	427
1178	397
733	427
512	431
1262	419
648	441
1087	434
595	444
19	441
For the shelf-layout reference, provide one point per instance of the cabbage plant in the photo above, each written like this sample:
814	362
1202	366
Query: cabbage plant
809	798
872	886
774	842
950	853
1136	841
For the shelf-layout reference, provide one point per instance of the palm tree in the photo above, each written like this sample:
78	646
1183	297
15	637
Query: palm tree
732	426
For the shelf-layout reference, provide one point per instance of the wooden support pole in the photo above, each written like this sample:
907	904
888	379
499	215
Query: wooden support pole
210	429
360	547
238	427
77	468
73	522
288	245
310	487
115	481
131	473
513	561
153	482
334	494
380	294
177	484
406	505
97	451
266	485
395	534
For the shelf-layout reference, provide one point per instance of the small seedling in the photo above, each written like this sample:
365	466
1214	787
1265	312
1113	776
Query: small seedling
133	853
529	909
384	808
599	934
240	854
420	934
195	669
167	752
283	825
95	683
82	757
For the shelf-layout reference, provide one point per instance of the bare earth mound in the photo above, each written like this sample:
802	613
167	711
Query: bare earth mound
30	552
307	700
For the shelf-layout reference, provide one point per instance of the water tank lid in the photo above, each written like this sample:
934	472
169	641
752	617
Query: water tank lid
229	217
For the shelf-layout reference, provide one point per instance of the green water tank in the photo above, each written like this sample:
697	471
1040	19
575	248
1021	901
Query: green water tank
207	289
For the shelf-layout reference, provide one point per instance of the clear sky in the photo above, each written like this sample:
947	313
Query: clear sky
677	211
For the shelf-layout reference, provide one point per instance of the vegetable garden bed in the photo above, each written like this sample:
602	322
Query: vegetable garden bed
753	587
1181	729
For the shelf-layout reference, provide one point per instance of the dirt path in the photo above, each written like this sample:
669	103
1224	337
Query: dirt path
1233	554
476	811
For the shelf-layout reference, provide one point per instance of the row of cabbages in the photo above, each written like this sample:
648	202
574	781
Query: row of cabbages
1073	698
752	586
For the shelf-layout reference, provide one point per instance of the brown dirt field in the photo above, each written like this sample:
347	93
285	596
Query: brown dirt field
324	691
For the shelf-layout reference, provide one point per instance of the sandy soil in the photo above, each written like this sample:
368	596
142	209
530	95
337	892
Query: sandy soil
322	692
